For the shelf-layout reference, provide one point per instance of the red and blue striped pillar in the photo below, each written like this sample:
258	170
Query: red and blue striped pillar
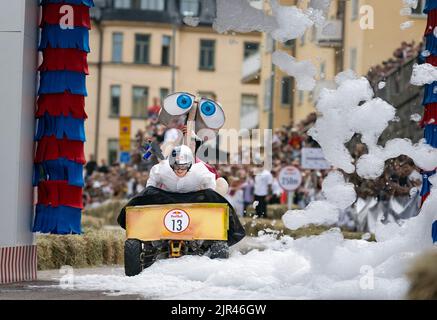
429	121
60	133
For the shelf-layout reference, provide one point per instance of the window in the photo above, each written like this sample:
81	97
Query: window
323	70
140	97
257	4
142	46
165	52
156	5
122	4
302	40
114	109
355	9
207	48
289	44
301	97
117	47
249	111
112	151
313	34
286	90
419	9
353	59
250	48
189	7
163	92
207	95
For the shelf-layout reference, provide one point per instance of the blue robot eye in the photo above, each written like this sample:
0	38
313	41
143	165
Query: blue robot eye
208	108
184	101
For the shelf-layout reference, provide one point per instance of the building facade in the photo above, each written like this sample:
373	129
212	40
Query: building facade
365	33
143	50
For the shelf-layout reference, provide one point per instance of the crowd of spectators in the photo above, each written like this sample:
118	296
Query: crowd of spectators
104	182
121	181
117	180
400	176
287	144
404	53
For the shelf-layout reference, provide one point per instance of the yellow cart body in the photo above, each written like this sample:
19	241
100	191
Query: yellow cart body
179	221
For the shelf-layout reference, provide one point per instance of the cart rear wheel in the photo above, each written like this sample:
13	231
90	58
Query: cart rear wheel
132	257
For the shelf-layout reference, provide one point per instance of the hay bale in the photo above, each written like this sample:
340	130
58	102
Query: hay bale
44	253
423	277
274	211
108	211
115	240
117	249
108	249
92	222
75	246
93	248
118	242
254	225
59	251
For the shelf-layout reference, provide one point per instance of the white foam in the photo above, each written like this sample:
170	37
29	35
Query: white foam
303	71
423	74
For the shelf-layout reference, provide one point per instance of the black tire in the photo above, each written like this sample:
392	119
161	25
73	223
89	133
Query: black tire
219	250
149	254
132	257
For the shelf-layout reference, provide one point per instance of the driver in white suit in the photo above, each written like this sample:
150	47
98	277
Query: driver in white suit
179	173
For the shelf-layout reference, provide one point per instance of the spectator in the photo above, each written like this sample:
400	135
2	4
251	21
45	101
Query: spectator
276	189
103	167
263	190
235	196
248	189
153	110
91	165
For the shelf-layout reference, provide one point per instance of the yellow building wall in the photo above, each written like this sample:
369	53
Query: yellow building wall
378	44
372	46
309	50
282	113
225	81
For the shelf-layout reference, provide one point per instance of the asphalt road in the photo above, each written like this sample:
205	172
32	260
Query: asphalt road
47	287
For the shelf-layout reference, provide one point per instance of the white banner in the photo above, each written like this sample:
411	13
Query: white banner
313	158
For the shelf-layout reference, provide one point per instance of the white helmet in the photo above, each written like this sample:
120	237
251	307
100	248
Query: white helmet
181	155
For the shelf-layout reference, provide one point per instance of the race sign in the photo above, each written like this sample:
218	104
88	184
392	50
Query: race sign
176	221
313	158
290	178
124	134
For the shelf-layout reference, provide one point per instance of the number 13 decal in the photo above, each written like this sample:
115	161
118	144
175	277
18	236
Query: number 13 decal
177	225
176	221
